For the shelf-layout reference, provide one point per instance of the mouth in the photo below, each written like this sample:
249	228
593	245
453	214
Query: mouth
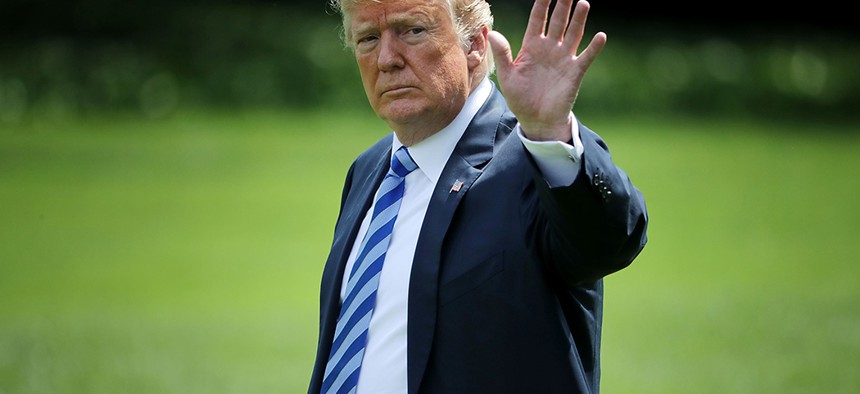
397	90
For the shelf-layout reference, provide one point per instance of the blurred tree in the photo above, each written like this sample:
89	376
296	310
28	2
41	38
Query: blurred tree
156	56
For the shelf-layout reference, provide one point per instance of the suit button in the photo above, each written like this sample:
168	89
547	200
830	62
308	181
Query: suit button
600	186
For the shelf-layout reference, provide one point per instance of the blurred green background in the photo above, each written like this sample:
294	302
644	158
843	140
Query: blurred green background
170	174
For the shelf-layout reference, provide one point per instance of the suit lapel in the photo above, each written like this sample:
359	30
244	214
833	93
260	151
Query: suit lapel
463	168
361	196
362	187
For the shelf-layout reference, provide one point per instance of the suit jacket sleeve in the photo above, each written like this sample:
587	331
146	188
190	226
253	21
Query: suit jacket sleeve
593	227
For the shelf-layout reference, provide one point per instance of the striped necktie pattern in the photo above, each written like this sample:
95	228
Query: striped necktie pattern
350	335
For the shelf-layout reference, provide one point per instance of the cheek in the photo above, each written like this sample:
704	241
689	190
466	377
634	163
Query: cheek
451	74
365	68
368	74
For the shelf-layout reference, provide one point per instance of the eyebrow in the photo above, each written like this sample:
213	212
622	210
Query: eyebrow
408	19
403	19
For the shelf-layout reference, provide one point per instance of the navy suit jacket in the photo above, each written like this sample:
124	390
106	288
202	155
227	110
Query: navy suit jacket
505	294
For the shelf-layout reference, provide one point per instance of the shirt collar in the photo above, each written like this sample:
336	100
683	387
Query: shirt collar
432	153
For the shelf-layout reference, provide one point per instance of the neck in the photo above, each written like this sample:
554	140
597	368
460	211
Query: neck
409	136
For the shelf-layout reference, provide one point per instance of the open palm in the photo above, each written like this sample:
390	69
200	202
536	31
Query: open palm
541	85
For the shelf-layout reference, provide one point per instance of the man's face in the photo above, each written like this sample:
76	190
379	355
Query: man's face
413	68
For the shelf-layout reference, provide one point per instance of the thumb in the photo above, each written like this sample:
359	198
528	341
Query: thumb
501	52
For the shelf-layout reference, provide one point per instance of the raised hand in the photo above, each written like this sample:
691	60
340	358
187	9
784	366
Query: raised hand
541	85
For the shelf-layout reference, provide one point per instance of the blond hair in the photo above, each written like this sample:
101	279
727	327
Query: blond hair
469	17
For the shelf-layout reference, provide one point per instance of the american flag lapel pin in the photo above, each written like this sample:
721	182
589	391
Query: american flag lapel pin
456	186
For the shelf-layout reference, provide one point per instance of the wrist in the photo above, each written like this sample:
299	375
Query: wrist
558	131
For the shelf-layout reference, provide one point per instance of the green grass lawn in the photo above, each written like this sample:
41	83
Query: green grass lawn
183	255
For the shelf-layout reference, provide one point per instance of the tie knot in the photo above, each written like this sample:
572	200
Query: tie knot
402	163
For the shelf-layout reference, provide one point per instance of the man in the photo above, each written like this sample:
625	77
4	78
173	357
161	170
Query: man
471	242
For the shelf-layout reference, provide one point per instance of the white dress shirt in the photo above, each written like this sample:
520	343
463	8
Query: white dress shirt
383	369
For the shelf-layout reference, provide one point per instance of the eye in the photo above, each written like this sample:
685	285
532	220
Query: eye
366	39
365	43
416	30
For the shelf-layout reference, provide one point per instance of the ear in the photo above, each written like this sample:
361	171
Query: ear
477	51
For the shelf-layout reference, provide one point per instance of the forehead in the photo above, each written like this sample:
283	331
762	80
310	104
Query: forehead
373	12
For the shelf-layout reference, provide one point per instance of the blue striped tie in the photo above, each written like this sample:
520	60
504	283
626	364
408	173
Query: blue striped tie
350	335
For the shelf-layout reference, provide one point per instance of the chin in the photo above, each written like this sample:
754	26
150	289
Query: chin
402	114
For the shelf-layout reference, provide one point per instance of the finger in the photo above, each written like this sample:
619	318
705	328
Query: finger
558	21
537	19
575	31
501	53
590	53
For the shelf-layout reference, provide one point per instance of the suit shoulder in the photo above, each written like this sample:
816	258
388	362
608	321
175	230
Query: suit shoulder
368	161
372	154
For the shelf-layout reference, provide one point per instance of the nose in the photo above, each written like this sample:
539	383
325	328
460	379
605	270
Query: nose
390	52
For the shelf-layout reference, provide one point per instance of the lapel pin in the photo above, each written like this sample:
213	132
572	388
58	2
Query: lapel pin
456	186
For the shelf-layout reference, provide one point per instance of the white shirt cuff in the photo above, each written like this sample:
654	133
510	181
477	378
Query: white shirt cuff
558	161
